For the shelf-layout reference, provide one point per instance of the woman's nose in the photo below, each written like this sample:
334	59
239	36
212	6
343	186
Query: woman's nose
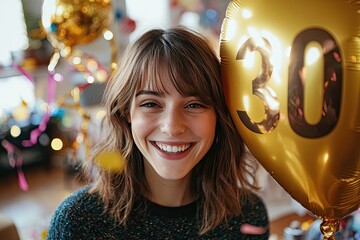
173	122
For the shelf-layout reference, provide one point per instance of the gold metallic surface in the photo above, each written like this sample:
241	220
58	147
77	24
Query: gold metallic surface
329	227
291	76
75	22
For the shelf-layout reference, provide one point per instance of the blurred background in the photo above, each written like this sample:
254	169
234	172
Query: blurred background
50	101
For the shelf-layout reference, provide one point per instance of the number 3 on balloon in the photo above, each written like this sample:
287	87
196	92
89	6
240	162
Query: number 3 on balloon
259	88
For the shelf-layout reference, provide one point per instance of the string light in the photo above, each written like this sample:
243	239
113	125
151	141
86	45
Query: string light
56	144
15	131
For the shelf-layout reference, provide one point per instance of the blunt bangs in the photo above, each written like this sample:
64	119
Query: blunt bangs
166	59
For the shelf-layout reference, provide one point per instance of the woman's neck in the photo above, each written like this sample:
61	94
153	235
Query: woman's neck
165	192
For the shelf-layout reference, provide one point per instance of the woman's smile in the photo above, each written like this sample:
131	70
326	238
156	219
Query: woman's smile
172	152
171	148
168	126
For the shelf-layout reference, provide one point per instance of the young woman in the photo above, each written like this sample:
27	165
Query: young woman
185	174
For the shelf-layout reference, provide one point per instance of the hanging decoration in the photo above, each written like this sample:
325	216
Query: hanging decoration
20	114
70	23
15	159
78	23
66	25
71	101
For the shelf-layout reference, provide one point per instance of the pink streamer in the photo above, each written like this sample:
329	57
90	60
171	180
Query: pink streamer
10	149
51	84
16	160
35	133
22	180
14	154
23	72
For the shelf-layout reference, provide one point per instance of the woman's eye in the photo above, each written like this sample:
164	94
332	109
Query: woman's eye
149	105
195	105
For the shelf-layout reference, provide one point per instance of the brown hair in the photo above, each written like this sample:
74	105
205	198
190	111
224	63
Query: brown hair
221	178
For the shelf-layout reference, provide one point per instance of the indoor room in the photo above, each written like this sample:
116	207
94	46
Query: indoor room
289	76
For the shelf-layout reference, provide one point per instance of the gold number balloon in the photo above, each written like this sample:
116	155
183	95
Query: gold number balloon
291	74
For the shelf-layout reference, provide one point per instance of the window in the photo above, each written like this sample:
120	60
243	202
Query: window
12	25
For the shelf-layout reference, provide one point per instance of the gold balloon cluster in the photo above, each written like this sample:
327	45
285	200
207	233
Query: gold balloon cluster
75	22
70	23
67	24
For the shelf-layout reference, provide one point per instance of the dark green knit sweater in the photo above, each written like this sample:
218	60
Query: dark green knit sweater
81	216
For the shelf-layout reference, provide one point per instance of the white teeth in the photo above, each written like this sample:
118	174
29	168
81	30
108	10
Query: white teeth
173	149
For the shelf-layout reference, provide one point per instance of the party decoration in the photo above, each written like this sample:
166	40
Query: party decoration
14	154
15	159
127	25
70	23
291	74
35	133
210	13
75	22
23	72
72	101
111	161
21	113
66	25
193	6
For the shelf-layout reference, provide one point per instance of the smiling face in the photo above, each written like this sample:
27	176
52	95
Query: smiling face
172	131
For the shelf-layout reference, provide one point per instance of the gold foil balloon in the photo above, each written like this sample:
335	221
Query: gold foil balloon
75	22
291	73
68	23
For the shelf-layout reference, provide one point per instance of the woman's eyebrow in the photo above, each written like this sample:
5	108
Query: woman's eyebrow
148	92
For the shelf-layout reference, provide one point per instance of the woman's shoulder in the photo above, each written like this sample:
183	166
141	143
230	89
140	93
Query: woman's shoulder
80	200
78	213
253	200
254	211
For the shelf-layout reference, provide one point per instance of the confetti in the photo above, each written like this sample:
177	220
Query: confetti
110	160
